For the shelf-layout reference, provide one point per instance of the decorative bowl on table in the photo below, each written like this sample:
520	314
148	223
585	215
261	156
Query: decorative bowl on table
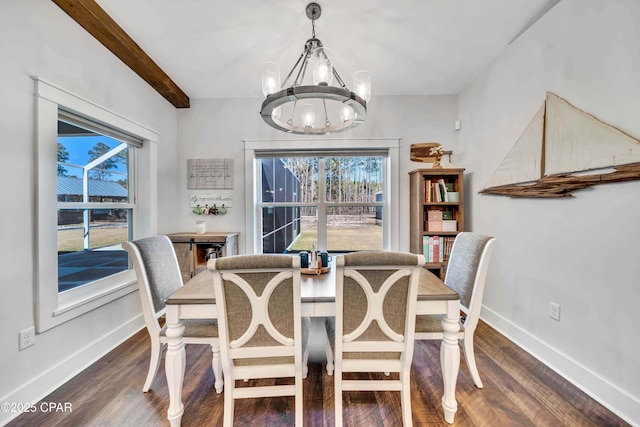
312	271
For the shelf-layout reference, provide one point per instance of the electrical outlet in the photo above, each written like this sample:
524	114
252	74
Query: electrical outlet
554	311
26	338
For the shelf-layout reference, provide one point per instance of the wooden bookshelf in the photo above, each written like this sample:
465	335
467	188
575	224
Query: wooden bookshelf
435	214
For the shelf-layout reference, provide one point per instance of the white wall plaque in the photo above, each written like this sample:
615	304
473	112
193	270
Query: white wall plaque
209	174
210	199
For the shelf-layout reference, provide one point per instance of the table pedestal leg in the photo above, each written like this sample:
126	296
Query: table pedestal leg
450	361
174	365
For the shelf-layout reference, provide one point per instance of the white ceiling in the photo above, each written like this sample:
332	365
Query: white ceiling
215	49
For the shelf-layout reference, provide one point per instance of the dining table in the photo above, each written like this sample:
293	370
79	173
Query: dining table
197	300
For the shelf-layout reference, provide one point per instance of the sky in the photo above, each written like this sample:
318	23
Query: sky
78	147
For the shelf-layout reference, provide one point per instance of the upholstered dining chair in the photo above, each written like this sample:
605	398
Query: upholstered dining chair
376	294
261	330
466	274
159	276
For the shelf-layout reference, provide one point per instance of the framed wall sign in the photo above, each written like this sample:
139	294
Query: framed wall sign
207	174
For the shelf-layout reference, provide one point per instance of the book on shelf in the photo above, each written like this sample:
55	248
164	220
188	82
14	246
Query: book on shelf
431	248
448	244
442	186
425	247
437	193
427	191
437	249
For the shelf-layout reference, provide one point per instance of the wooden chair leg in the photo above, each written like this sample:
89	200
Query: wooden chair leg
227	417
299	409
217	369
328	352
470	358
154	363
305	362
405	399
337	380
329	356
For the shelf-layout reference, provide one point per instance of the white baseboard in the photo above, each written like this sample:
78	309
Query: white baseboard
41	386
607	394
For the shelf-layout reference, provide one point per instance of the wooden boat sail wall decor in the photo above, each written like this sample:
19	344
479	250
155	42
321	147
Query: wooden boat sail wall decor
565	149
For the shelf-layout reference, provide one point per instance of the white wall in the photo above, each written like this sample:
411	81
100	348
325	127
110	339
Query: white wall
582	252
38	39
216	128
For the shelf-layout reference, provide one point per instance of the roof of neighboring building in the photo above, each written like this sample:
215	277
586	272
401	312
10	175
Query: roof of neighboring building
72	185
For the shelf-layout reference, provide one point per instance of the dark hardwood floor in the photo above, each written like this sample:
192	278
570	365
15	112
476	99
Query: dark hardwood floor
518	391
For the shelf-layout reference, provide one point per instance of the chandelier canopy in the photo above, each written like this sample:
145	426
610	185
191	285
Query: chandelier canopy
318	108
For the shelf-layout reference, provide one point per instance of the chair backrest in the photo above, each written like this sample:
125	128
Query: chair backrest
376	293
158	273
258	299
467	270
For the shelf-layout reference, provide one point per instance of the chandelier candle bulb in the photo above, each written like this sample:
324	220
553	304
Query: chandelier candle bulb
362	84
270	78
346	113
276	113
270	85
322	68
308	116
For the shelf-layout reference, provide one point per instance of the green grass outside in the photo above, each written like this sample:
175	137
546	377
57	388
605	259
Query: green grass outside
353	239
72	240
305	241
358	238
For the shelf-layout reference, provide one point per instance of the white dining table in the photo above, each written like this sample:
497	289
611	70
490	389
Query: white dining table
196	300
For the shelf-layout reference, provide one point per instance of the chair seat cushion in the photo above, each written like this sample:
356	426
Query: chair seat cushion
431	324
197	328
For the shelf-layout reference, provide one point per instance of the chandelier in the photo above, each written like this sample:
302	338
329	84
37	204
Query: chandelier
318	108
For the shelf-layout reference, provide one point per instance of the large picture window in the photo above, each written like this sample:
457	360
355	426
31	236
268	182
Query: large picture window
88	203
95	201
334	201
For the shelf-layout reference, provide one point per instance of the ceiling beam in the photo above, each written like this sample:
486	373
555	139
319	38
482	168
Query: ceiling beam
100	25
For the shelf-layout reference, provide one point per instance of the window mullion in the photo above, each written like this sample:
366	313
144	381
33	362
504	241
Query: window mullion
322	206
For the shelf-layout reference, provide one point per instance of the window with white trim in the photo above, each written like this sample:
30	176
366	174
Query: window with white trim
332	200
85	197
343	196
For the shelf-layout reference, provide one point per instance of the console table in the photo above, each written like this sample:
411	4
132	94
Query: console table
194	250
